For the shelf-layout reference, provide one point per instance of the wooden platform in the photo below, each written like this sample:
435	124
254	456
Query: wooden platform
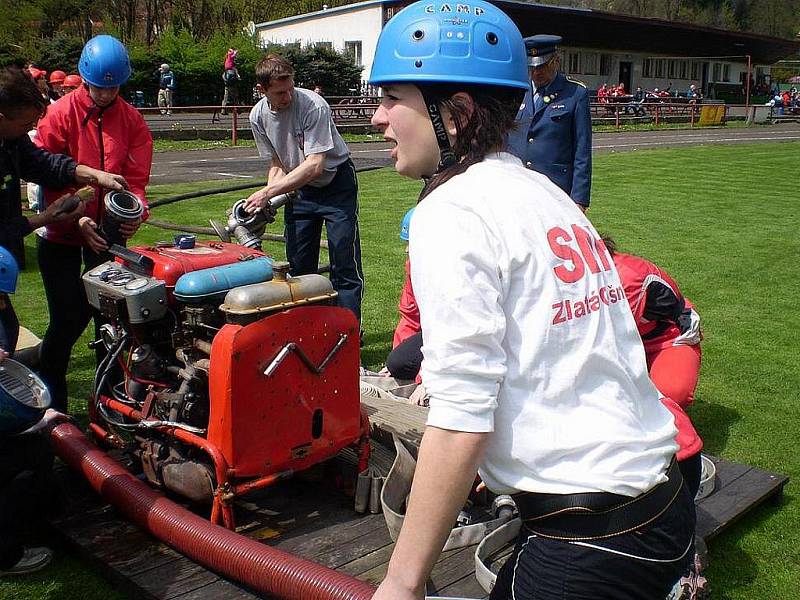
314	520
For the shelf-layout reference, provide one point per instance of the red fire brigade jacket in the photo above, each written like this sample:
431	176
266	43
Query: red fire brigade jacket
114	139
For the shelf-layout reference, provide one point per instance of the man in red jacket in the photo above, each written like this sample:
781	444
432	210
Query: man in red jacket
98	128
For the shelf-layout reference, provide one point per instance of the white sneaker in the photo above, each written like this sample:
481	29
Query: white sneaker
33	559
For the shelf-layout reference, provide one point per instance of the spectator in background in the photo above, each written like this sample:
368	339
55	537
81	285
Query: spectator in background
40	77
56	84
230	78
166	88
635	106
71	83
693	94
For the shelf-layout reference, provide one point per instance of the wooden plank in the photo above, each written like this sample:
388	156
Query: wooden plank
221	589
466	587
367	562
389	416
451	568
728	504
174	579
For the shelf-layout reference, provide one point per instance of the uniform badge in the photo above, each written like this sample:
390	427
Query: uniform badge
548	98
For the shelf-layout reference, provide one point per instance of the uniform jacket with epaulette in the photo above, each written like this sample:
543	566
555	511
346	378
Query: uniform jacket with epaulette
559	136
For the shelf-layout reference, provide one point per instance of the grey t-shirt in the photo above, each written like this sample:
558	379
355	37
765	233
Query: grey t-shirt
304	127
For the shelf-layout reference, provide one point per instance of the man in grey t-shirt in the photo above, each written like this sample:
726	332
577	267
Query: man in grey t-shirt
294	131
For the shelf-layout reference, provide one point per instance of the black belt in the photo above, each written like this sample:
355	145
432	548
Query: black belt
596	515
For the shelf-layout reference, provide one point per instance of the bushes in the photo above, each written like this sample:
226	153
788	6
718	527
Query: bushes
198	67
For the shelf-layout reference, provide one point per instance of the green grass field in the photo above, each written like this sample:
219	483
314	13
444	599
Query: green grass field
723	220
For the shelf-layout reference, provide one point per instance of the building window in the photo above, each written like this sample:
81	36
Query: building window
647	67
353	48
697	70
574	62
684	69
326	45
726	72
715	72
605	64
661	68
672	69
590	63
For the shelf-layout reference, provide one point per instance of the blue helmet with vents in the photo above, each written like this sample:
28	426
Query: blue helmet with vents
471	42
104	62
9	271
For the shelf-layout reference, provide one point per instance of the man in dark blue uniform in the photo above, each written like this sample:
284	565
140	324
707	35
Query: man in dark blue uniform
559	138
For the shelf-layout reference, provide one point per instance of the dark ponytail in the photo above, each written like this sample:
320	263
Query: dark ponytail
494	110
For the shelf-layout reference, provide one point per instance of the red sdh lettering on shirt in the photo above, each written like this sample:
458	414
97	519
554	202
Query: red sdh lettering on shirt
580	251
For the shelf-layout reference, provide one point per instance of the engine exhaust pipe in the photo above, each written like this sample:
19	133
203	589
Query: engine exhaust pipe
260	567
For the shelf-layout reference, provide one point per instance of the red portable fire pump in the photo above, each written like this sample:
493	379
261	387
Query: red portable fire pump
222	374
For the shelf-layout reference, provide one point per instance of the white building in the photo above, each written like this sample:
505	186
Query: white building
599	47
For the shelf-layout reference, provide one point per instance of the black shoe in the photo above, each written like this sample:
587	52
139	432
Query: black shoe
33	559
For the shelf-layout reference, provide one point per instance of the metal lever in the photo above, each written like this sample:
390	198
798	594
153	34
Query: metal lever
292	347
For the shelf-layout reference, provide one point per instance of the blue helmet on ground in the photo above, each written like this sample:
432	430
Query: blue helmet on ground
104	62
405	224
473	42
23	397
9	271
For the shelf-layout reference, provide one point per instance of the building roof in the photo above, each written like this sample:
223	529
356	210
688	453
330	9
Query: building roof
604	30
584	27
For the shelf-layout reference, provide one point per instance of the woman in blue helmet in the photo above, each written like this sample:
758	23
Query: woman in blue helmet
532	362
95	126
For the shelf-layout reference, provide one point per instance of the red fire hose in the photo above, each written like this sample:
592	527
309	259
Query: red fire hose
256	565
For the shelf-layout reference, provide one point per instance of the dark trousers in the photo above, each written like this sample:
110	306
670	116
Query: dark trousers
26	489
61	267
405	359
641	565
9	325
335	205
692	471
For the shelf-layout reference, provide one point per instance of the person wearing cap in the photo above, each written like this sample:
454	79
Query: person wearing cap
71	83
533	366
295	133
94	125
559	138
40	77
166	88
56	84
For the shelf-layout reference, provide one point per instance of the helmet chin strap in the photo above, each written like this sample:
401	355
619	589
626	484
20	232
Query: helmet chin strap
447	157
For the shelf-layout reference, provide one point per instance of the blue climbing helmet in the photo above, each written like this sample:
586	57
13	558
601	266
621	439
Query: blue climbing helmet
23	397
405	224
473	42
104	62
9	271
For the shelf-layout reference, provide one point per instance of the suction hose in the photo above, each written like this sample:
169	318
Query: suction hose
260	567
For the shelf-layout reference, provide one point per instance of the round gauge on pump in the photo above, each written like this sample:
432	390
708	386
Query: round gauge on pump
136	284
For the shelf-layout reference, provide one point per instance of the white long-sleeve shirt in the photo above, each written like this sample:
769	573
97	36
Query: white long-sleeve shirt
527	334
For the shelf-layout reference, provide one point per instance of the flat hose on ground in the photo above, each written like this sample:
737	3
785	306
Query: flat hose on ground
256	565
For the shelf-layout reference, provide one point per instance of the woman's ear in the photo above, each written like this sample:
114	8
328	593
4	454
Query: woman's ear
463	101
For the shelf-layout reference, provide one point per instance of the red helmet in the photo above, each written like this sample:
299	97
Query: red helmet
57	77
72	81
36	73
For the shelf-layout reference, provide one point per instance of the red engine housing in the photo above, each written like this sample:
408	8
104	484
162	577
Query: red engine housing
293	417
169	262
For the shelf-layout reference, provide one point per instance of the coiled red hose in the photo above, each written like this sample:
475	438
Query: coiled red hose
256	565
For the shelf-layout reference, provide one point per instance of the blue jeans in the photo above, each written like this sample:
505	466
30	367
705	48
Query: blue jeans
335	205
640	565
